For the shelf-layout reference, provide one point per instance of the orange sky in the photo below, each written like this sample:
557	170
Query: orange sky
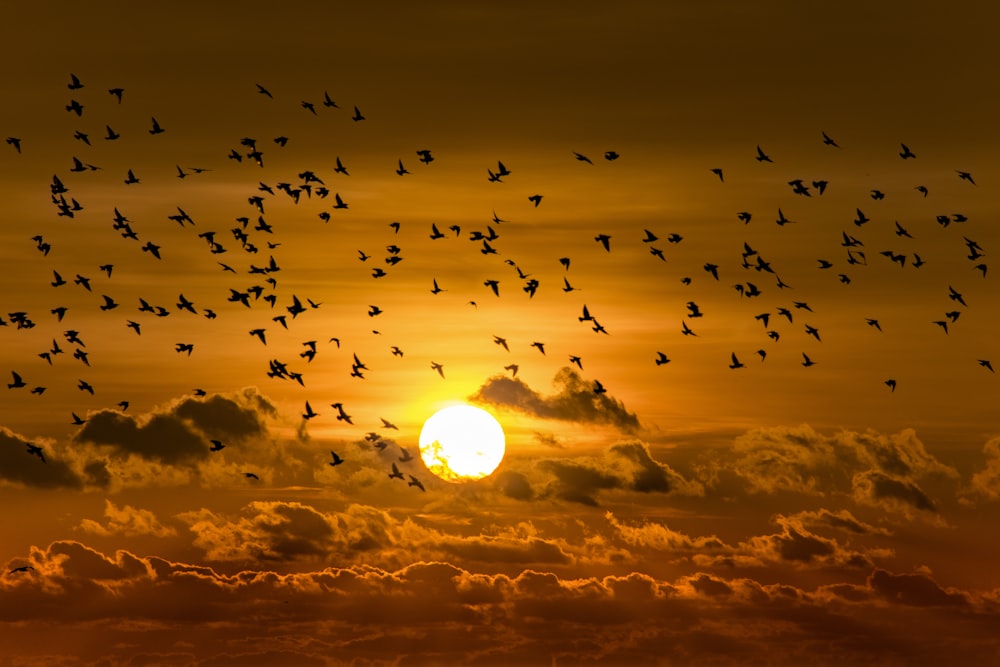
694	513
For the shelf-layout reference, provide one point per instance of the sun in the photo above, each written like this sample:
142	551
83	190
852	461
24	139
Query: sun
461	443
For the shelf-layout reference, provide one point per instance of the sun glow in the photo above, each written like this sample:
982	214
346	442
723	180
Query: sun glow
461	443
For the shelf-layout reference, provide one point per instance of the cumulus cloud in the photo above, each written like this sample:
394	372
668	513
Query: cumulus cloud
624	466
985	484
574	400
873	468
128	521
20	467
178	434
439	613
794	545
877	488
291	531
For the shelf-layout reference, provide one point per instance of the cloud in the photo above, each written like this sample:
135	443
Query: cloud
985	484
625	466
877	488
291	531
128	521
914	589
794	545
870	467
19	467
435	612
178	434
574	400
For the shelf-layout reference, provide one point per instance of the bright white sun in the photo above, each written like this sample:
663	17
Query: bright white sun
461	443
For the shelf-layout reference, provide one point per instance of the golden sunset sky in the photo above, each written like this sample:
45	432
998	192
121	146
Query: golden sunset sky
809	475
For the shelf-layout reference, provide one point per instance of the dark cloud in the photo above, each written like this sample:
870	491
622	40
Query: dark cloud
179	433
220	416
625	466
160	437
578	481
435	612
574	400
877	488
914	589
841	520
872	468
514	485
17	466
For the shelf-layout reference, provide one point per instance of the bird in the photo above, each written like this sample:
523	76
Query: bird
416	482
401	169
15	142
250	475
22	568
35	450
985	363
396	473
336	459
17	382
438	367
735	362
604	240
357	115
829	142
264	91
156	129
806	361
425	156
611	156
965	176
906	153
536	199
217	446
761	156
582	158
502	342
718	172
891	384
387	424
661	359
309	413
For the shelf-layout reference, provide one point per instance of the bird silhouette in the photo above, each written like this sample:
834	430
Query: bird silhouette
416	482
35	450
396	473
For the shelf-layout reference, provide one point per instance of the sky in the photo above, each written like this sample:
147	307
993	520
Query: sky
758	427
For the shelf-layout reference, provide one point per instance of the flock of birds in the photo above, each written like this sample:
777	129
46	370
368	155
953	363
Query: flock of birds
254	235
